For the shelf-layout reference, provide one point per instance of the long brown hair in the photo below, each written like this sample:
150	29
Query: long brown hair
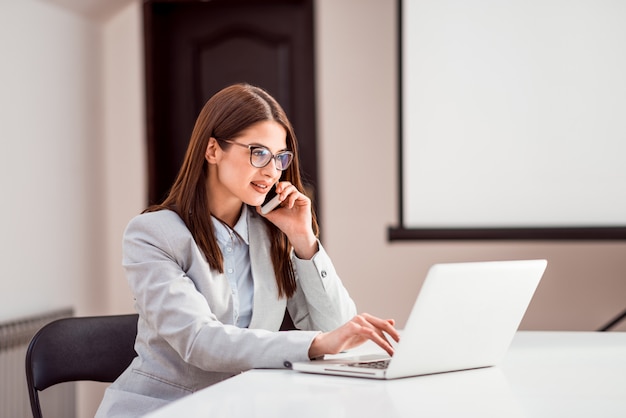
225	115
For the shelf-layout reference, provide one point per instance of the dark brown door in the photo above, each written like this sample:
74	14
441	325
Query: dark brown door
195	48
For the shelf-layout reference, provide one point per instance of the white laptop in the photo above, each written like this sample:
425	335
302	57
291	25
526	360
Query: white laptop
465	317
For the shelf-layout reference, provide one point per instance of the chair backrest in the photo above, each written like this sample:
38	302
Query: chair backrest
96	348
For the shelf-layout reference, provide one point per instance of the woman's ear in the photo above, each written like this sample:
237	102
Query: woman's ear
211	151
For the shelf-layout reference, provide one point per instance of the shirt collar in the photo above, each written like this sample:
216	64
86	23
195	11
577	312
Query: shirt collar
241	227
223	231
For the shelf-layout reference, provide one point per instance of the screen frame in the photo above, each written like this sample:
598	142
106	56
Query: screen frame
403	233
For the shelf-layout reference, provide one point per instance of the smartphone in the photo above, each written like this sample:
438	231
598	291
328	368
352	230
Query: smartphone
271	201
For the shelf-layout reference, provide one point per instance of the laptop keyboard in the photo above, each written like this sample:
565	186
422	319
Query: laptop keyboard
380	364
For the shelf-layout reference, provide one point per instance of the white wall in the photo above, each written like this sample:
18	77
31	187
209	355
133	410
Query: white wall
50	164
73	156
72	160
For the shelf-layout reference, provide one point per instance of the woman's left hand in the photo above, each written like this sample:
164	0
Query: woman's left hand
293	217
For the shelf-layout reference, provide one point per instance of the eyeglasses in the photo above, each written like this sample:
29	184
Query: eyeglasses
261	156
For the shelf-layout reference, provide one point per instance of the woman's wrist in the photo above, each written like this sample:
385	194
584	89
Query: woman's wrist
306	248
315	350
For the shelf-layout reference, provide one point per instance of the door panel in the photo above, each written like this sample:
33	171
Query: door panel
195	48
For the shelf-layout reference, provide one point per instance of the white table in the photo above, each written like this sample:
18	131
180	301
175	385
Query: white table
545	374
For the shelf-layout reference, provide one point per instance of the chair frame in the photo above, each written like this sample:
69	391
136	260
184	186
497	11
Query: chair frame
93	348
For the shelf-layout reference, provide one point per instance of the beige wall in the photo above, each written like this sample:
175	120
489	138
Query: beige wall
73	170
585	284
125	155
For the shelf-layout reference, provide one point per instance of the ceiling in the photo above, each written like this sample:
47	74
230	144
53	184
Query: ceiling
94	9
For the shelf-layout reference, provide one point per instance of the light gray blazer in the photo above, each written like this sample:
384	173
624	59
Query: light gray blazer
186	339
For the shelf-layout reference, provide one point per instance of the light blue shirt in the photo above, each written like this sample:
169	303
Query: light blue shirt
235	250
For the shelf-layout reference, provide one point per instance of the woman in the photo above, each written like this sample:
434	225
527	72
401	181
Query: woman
212	276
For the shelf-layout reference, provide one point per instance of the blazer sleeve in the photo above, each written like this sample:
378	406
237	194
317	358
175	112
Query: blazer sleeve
158	253
321	302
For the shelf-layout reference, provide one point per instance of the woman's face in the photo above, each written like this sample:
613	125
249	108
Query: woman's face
234	179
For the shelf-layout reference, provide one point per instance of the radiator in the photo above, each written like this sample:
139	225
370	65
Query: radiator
56	402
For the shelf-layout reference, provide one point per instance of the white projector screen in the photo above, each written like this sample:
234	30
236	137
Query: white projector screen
513	114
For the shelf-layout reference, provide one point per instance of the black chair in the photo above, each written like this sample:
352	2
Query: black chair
96	348
614	322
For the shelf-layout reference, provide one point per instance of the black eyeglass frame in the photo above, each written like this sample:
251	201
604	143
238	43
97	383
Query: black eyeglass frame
275	157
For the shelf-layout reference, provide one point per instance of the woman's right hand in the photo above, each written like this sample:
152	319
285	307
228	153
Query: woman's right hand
355	332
